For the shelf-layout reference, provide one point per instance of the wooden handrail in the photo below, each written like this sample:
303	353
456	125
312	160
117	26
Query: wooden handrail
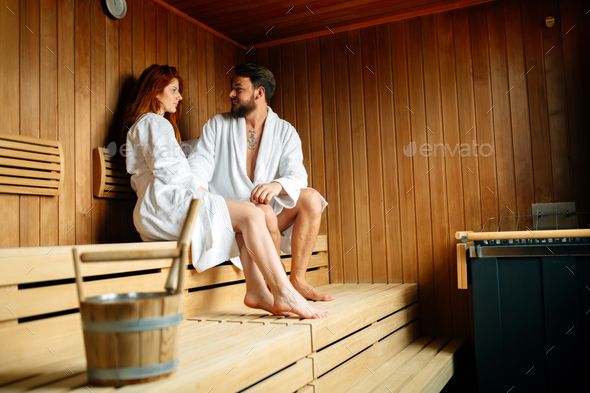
466	236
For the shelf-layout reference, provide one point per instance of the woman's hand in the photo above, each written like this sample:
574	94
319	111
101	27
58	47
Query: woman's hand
263	193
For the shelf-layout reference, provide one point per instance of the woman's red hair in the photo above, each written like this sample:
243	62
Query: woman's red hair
152	82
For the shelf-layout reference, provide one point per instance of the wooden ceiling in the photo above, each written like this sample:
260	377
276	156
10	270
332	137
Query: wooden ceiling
270	21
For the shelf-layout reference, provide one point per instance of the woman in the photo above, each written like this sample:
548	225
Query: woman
165	185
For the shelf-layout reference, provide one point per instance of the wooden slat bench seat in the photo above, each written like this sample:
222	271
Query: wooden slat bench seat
224	346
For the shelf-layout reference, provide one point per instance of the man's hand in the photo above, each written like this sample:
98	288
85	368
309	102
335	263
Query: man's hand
263	193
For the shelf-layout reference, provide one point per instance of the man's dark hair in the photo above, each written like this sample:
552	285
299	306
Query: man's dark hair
259	76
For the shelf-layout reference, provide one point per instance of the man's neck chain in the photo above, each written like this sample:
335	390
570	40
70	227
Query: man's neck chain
252	140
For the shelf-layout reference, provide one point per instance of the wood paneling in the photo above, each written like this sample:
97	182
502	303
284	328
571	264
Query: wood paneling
66	73
458	120
269	20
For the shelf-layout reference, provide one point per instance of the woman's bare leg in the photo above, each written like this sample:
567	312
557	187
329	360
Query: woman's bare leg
257	294
250	222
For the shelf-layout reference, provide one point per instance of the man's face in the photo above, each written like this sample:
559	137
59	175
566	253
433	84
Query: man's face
242	96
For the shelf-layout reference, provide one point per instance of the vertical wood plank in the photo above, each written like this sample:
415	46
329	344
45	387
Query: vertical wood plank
82	122
484	119
288	85
150	44
300	100
345	168
316	138
452	138
48	108
66	119
467	124
422	169
9	70
521	133
501	119
555	81
98	124
374	151
539	123
191	103
386	95
29	109
332	160
210	50
202	86
127	81
435	135
161	35
183	69
172	38
275	66
405	150
222	71
113	209
359	157
138	37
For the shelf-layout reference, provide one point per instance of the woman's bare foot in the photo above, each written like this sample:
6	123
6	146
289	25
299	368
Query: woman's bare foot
264	302
309	292
289	300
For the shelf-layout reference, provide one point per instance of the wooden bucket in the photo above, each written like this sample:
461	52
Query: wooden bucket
133	337
130	338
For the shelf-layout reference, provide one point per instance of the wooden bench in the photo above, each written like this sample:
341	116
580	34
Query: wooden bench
372	329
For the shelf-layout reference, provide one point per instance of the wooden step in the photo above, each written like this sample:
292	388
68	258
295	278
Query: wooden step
371	331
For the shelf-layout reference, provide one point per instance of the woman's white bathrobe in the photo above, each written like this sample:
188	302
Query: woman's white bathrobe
219	161
165	186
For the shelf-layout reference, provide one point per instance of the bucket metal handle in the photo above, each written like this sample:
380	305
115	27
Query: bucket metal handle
179	255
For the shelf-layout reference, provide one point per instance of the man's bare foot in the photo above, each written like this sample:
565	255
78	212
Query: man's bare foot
289	300
264	302
309	292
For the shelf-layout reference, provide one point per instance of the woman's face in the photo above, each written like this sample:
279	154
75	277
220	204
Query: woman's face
169	97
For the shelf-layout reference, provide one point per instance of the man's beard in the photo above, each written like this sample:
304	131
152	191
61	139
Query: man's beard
243	109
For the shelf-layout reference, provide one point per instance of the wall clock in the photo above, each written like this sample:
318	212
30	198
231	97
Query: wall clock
116	8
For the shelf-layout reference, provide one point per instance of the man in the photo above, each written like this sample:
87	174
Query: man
252	154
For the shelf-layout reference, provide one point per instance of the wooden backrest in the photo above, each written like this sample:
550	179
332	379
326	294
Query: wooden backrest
30	166
111	179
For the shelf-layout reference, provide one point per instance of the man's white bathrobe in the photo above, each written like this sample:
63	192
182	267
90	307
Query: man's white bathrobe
219	162
165	186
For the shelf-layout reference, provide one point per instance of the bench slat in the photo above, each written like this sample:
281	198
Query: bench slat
433	377
34	264
29	173
288	380
29	140
376	306
29	182
30	156
338	353
364	364
43	300
399	377
28	147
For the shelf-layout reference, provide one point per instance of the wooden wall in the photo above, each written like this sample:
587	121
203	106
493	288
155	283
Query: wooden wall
66	71
368	103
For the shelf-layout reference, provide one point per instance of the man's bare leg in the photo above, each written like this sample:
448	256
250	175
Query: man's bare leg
306	218
249	221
